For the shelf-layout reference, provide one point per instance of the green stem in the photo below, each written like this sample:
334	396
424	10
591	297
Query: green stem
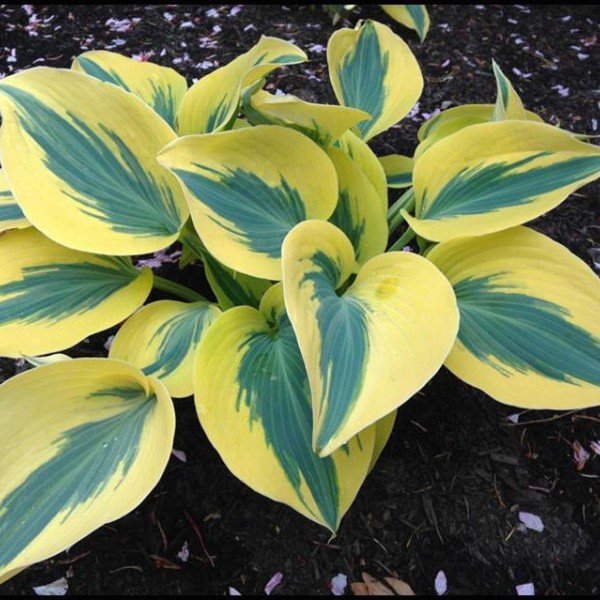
406	201
406	237
176	289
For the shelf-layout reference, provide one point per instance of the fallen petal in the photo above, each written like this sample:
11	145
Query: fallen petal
338	584
531	521
525	589
56	588
273	583
233	592
184	553
441	583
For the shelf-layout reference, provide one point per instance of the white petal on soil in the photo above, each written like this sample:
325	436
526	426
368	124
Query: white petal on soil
441	583
233	592
525	589
273	583
338	584
184	553
56	588
514	418
531	521
180	454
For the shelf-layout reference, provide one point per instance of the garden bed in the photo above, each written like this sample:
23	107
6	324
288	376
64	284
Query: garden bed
446	493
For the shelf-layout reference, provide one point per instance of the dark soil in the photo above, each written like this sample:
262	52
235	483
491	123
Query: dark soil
446	492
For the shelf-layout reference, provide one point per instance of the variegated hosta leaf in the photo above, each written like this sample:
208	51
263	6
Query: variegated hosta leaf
451	120
367	161
529	328
52	297
324	123
247	188
383	431
253	400
229	287
508	104
358	213
373	69
80	156
413	16
371	348
493	176
161	88
83	442
40	361
11	215
398	170
161	339
212	102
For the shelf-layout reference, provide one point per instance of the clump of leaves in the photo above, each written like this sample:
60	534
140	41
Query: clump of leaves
318	328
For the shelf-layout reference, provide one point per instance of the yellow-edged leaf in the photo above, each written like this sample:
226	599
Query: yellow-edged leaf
413	16
492	176
247	188
324	123
161	88
371	348
529	329
373	69
451	120
52	297
80	155
367	161
253	400
383	431
161	339
398	170
212	102
508	104
358	213
83	442
229	287
11	215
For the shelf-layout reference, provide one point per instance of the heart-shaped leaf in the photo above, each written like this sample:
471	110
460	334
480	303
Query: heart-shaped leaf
492	176
82	443
373	69
529	328
80	156
247	188
253	400
369	349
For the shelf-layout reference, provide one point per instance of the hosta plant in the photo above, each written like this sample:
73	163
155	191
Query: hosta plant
317	328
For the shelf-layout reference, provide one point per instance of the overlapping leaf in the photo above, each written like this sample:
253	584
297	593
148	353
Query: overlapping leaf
83	442
229	287
80	155
161	88
11	215
161	339
493	176
358	213
324	123
371	68
212	102
253	400
366	161
368	349
453	119
529	330
398	170
52	297
247	188
413	16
